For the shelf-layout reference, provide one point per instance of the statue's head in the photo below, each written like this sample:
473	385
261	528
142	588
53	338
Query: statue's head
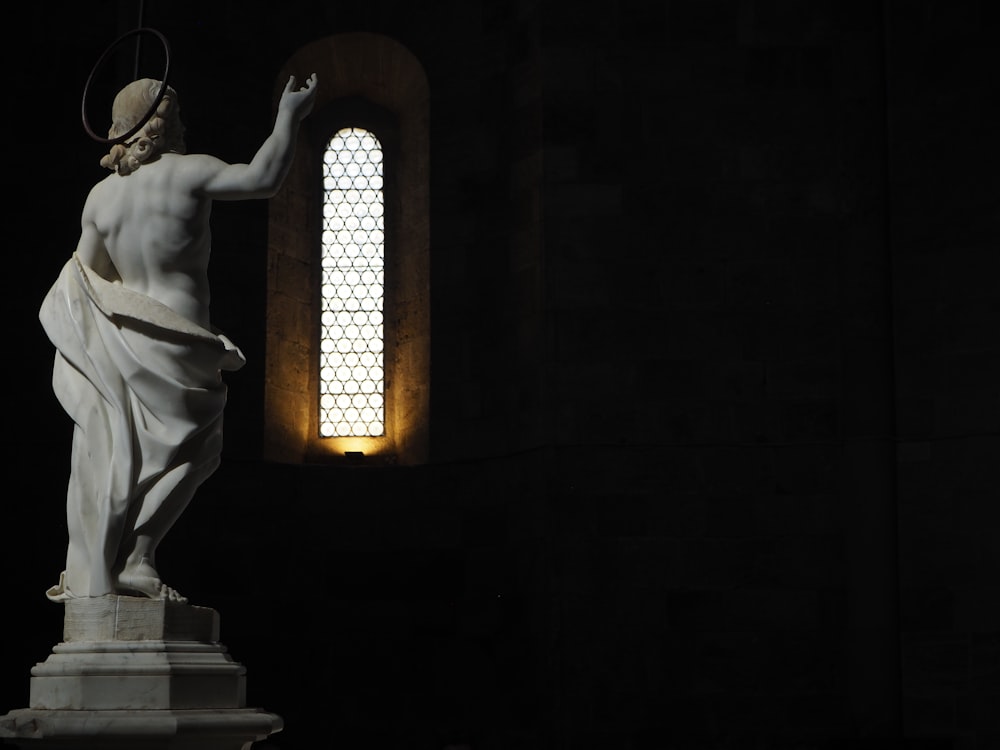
162	132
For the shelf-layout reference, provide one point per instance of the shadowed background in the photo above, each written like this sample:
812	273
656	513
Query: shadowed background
715	465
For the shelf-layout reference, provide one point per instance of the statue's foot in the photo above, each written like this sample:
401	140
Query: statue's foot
145	582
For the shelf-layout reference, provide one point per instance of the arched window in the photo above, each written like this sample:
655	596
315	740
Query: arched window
348	326
352	296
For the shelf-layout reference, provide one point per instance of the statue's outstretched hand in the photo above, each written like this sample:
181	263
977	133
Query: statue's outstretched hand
298	101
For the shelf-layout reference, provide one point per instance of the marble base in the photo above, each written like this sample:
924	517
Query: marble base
225	729
138	673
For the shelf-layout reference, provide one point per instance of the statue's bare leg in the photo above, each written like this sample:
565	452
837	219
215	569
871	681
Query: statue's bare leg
94	520
161	506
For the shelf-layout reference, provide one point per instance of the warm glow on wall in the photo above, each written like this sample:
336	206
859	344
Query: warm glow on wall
374	84
358	448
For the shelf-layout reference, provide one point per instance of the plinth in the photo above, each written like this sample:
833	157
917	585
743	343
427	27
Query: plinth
138	673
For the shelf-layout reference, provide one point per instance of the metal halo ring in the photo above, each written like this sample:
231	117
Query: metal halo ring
156	101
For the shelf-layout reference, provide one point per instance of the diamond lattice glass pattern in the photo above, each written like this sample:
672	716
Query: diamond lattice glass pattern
352	392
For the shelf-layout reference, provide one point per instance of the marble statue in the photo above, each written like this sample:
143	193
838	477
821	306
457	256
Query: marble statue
138	366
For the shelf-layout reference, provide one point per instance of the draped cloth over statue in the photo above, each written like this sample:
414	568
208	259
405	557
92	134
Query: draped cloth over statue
143	386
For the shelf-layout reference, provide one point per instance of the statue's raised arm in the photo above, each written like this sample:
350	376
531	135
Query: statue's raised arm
262	177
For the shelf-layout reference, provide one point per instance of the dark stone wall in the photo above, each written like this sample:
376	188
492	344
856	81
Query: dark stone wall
714	420
944	228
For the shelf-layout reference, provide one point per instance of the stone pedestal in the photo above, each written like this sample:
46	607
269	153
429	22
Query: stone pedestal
138	673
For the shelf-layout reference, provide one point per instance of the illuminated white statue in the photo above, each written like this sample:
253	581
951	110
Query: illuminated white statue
138	366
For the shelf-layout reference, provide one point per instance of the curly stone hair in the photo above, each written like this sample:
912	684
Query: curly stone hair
163	132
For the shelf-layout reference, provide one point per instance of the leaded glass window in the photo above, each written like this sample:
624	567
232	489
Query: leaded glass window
351	377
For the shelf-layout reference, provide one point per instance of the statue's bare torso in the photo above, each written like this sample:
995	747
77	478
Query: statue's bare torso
150	230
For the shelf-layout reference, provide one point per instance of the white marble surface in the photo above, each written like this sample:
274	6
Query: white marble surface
122	652
150	675
135	672
138	366
130	618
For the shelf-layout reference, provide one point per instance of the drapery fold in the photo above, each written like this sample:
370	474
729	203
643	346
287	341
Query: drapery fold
143	386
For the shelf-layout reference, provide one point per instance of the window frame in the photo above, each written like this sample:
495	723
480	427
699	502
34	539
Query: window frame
358	112
378	70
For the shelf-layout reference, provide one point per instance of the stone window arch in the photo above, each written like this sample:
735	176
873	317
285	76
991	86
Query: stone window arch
373	82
